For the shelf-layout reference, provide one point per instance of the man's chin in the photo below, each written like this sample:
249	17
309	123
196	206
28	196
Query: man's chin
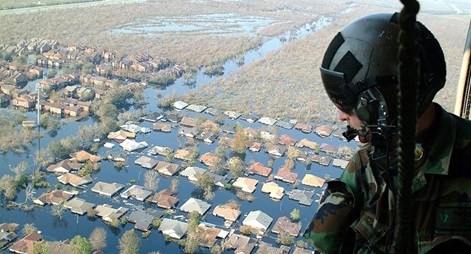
363	138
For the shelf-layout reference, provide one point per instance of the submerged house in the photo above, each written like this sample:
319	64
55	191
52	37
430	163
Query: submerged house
312	180
246	184
259	220
227	212
143	219
6	235
130	145
193	204
64	166
107	189
137	192
165	199
108	213
273	189
120	136
146	162
173	228
78	205
74	180
116	156
284	224
26	244
167	168
241	244
304	197
54	197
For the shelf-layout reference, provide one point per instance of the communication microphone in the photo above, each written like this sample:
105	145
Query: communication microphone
350	133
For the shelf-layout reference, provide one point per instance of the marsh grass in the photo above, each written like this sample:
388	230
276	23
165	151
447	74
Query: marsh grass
91	26
285	83
14	4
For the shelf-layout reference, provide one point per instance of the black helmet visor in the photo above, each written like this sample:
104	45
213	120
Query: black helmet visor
334	83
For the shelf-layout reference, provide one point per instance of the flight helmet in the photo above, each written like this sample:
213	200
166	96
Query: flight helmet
360	70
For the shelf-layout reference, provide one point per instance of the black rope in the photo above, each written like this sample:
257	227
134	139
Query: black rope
407	120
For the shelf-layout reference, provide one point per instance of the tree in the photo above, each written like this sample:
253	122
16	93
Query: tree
57	210
236	166
156	223
289	163
56	150
87	68
221	152
194	238
119	164
245	230
42	158
41	247
232	204
292	153
106	110
51	73
114	222
174	185
29	193
285	238
118	96
98	238
240	140
80	245
8	186
206	183
20	168
216	249
129	243
295	214
92	212
28	229
151	180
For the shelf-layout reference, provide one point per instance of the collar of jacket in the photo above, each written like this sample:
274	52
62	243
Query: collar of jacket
439	143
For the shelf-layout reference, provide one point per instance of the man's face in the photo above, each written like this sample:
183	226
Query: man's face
354	122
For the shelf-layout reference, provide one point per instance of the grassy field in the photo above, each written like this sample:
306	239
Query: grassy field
285	83
15	4
92	26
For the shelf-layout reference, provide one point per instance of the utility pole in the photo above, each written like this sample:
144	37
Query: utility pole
38	123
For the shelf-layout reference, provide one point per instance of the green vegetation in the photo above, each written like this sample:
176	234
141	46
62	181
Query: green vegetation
206	183
269	86
129	243
287	84
12	135
28	229
295	214
240	140
98	238
236	166
15	4
80	245
194	234
151	180
285	238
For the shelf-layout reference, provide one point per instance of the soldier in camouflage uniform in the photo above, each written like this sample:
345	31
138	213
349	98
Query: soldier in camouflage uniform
357	212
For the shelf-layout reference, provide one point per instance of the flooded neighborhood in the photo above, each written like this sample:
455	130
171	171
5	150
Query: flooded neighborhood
166	128
157	167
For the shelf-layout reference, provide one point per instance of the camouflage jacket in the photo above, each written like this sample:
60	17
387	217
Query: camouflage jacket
356	213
